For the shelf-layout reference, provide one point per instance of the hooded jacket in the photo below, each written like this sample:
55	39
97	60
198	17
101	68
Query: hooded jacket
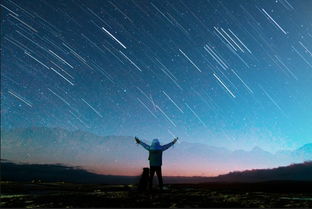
155	151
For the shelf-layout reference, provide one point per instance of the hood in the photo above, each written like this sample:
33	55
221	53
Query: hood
155	144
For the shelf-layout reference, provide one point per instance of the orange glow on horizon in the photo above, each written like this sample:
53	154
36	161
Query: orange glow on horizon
166	171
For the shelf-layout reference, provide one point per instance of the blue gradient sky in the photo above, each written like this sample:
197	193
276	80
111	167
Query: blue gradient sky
227	73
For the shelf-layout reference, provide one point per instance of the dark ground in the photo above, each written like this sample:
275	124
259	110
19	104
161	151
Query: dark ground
60	194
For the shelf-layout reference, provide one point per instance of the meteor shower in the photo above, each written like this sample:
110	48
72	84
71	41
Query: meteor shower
133	103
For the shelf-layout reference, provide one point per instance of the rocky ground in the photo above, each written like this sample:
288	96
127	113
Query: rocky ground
68	195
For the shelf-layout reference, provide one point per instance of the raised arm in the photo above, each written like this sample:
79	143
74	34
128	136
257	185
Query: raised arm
147	147
166	146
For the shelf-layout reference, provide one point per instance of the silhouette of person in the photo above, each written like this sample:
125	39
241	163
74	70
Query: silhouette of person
155	158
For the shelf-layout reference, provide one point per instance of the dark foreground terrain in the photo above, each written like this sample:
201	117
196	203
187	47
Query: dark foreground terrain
60	194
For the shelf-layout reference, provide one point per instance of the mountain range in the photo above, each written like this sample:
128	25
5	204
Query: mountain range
61	173
120	155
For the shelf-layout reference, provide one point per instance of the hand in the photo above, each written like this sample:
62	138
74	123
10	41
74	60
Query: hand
137	140
175	139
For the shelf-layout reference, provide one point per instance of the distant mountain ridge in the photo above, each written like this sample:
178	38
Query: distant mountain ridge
23	172
114	154
61	173
294	172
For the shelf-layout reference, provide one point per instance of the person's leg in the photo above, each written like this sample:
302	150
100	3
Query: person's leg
152	172
159	175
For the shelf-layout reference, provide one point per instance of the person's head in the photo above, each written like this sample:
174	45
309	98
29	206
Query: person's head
155	144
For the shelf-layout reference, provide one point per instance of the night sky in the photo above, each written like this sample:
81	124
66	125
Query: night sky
226	73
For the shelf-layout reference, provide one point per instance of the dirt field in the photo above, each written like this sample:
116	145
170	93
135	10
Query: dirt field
67	195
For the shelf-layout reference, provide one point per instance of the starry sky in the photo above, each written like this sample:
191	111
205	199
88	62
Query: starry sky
233	73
